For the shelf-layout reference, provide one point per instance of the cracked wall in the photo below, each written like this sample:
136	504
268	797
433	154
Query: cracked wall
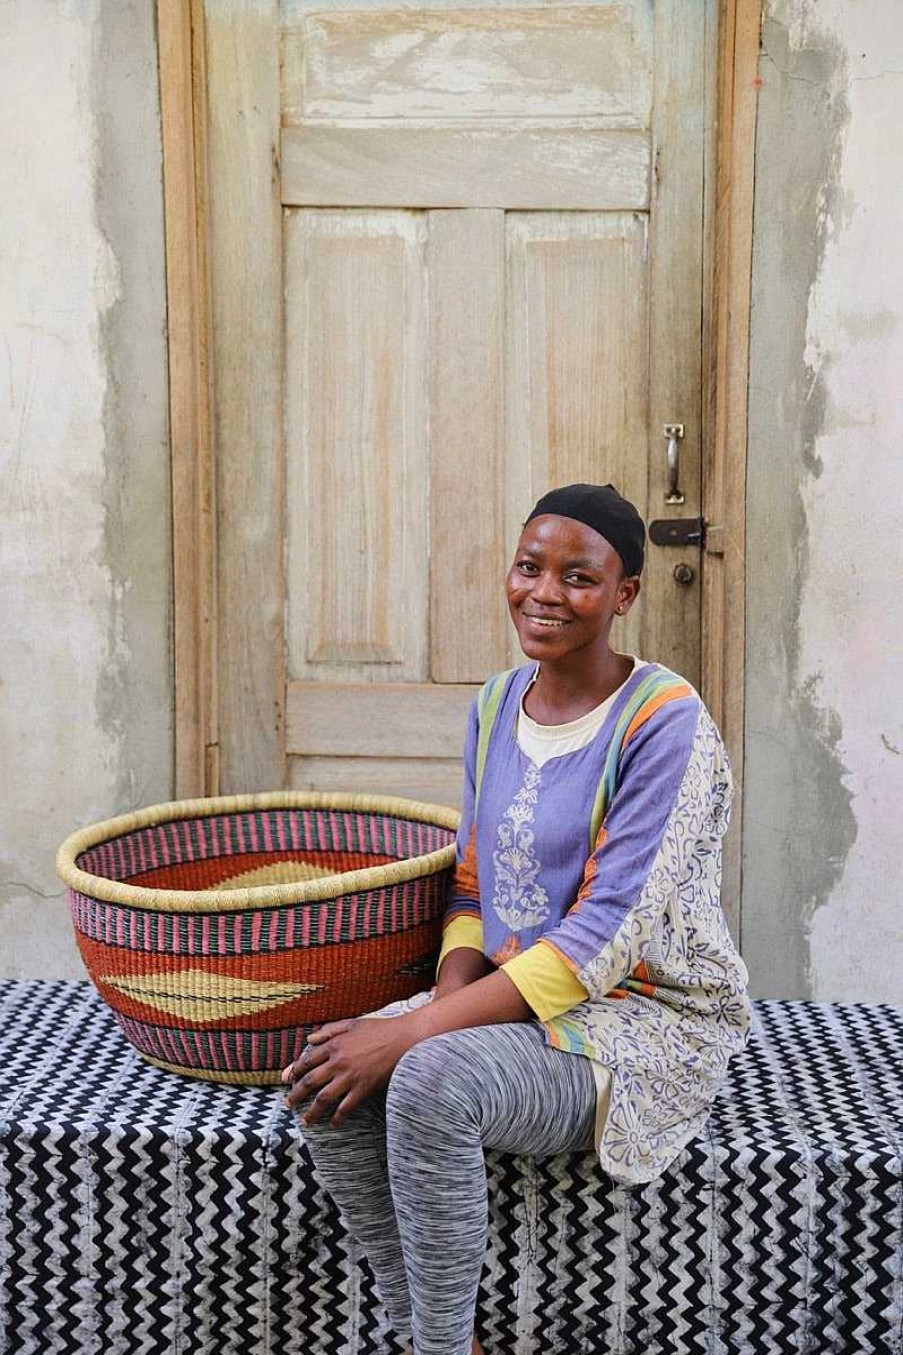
824	622
85	701
85	665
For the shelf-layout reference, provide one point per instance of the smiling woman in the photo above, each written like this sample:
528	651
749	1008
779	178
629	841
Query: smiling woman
588	992
565	587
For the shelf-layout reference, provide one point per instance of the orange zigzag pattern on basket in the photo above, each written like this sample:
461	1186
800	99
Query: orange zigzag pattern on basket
217	871
297	988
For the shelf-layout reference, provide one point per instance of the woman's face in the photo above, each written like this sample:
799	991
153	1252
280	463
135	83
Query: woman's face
564	587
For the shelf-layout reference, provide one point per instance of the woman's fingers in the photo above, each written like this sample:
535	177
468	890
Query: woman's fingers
320	1036
328	1032
323	1104
309	1058
312	1084
318	1109
338	1098
345	1107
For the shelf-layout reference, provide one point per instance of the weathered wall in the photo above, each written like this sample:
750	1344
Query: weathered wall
85	663
85	703
824	772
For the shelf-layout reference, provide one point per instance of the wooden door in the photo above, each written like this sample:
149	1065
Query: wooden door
456	258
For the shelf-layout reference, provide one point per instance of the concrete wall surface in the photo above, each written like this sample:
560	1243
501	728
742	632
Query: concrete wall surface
85	666
85	581
823	871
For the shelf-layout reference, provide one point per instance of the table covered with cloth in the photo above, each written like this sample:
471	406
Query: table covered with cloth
146	1214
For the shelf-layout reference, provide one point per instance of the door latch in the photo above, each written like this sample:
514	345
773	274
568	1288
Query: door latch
677	532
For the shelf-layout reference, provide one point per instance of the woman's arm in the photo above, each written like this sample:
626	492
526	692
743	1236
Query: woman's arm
459	968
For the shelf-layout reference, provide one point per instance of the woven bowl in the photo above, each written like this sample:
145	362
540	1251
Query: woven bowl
221	931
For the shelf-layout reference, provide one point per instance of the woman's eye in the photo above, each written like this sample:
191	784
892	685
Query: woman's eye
526	566
579	578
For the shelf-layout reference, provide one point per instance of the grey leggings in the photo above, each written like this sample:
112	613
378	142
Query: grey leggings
407	1169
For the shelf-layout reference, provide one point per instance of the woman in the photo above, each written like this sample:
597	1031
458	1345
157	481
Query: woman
588	992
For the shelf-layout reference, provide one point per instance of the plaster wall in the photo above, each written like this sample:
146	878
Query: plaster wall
85	664
85	667
824	767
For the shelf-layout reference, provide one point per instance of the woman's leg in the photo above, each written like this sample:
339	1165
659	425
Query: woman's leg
450	1097
350	1161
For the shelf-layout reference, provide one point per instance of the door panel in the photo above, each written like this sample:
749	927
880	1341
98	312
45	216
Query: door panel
577	384
245	284
490	283
591	61
412	719
357	470
456	167
435	780
468	616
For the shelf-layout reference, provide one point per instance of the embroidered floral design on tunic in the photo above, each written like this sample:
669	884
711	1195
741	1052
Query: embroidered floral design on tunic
519	900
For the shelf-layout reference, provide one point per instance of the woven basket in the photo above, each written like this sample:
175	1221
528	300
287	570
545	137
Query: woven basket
221	931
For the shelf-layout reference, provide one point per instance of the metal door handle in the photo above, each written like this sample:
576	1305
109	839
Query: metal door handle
673	432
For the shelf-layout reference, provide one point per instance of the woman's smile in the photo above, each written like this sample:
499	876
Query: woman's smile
545	622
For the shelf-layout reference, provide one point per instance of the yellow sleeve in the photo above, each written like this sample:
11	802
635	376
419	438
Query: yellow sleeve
465	930
544	981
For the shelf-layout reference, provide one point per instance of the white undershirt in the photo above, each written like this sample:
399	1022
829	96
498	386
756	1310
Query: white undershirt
541	742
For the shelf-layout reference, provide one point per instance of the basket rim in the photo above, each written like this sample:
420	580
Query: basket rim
255	896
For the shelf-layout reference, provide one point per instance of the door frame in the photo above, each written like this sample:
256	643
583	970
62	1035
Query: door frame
730	121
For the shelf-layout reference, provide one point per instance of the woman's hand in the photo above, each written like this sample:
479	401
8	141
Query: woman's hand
343	1063
347	1061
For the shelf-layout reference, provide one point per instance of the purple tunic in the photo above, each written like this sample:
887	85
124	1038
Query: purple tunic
634	915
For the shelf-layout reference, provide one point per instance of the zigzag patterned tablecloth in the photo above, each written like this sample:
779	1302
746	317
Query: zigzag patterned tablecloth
146	1214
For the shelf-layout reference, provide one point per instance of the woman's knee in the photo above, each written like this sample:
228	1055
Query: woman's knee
435	1080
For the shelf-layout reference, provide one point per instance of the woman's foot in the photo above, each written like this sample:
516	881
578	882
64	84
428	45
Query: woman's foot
477	1349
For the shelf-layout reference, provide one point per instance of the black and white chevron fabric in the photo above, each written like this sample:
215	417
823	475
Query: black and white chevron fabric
145	1214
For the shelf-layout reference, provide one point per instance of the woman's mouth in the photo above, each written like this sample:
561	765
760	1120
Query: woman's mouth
545	622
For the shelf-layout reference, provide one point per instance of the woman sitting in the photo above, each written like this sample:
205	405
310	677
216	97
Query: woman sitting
588	992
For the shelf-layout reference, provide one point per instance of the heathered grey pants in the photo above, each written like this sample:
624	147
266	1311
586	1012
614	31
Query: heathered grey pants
407	1170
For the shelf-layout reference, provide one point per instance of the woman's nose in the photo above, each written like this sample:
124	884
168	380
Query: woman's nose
546	589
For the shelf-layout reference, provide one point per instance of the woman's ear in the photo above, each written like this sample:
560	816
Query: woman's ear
628	589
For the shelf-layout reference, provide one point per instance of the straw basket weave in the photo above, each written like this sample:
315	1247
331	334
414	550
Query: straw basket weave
220	931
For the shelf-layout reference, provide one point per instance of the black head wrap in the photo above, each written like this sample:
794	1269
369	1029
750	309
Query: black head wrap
602	508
